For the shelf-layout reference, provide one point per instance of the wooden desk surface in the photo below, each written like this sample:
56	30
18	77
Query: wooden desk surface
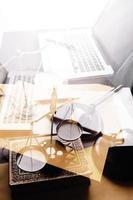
105	190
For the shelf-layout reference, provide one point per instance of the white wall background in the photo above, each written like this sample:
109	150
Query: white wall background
42	14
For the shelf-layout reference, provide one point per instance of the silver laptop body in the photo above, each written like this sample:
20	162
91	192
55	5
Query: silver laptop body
72	54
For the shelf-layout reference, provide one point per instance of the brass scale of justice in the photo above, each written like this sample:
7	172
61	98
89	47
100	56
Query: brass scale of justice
68	132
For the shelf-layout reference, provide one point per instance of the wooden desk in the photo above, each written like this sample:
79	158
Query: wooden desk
104	190
4	187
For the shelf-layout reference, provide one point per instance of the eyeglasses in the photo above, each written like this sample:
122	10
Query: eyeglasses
68	129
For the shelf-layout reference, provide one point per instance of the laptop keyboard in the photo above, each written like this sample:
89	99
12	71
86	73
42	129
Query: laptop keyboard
17	104
25	78
84	54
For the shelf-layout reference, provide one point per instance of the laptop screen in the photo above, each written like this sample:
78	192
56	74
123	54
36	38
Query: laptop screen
114	31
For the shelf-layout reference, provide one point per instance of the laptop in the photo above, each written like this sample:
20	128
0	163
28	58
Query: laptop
111	35
73	54
77	53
